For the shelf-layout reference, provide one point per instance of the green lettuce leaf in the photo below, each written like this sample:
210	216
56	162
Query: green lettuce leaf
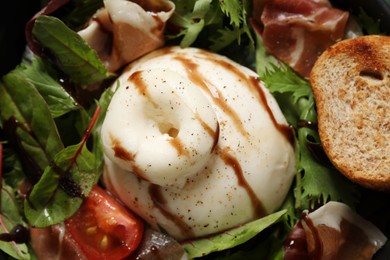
12	167
9	218
59	101
26	115
74	56
97	149
49	203
230	238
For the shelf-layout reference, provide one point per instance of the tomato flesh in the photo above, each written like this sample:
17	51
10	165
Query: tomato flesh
103	228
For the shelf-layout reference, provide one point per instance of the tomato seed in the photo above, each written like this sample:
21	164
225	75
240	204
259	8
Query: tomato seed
91	230
104	242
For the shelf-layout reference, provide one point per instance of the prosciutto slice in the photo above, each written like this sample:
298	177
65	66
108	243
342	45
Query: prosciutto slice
54	243
333	231
125	30
297	32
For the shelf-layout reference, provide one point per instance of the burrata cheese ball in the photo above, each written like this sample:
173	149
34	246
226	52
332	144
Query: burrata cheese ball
195	144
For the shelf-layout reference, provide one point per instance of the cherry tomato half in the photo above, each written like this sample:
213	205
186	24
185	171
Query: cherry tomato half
103	228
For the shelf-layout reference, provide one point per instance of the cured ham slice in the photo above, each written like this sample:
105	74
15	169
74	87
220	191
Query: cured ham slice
333	231
54	243
297	32
125	30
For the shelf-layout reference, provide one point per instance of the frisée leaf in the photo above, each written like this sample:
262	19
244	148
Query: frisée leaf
237	13
220	22
317	181
191	23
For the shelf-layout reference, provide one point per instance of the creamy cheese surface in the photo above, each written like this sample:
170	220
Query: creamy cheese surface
195	144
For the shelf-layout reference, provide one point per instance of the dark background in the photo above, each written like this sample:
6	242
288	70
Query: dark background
14	15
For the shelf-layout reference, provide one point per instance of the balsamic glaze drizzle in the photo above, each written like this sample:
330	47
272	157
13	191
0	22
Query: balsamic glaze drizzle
19	234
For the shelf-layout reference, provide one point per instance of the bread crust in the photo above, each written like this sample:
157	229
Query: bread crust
351	86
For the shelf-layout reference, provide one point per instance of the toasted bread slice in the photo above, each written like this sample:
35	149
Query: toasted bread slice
351	86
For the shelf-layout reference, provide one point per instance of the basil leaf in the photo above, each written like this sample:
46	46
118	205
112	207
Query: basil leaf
10	217
27	118
75	57
230	238
59	101
49	202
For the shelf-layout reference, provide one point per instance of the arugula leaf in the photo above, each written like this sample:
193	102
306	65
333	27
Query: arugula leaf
27	118
9	218
37	72
48	203
75	57
230	238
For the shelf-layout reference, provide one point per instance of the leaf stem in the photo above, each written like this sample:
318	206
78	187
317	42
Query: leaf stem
85	137
1	169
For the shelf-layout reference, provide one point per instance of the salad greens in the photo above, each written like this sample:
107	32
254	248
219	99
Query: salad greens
9	218
316	181
71	51
205	20
34	107
230	238
37	72
47	128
